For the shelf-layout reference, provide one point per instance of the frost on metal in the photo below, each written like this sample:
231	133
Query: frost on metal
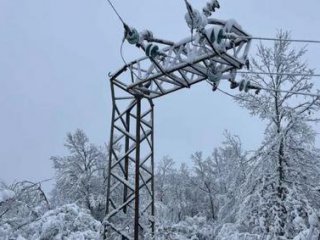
220	44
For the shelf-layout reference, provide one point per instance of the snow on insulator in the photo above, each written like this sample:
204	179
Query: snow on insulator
231	76
211	7
196	20
230	23
146	35
214	79
232	36
152	50
216	34
132	36
246	86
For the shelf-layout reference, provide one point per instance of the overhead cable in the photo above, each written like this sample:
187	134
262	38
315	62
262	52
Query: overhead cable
280	74
284	40
116	12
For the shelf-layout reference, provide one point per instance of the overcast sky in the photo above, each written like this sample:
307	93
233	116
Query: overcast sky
54	60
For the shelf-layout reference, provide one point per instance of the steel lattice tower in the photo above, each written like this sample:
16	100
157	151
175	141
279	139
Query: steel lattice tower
213	53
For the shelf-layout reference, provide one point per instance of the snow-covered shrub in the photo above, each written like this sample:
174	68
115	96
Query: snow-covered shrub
309	234
5	231
20	204
66	222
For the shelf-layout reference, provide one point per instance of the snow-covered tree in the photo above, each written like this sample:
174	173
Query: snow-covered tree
280	193
230	162
170	187
165	170
205	180
80	176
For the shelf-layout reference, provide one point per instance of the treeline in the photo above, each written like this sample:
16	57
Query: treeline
227	195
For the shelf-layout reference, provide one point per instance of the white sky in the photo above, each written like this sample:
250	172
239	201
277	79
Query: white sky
54	60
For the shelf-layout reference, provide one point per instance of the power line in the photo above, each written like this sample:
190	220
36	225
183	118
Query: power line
233	96
250	37
269	89
273	90
293	92
281	74
284	40
116	12
121	46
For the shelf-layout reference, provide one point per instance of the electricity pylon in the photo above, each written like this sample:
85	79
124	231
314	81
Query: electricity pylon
213	52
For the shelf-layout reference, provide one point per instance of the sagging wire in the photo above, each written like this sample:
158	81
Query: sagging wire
233	96
116	12
125	62
283	40
123	40
281	74
317	96
293	92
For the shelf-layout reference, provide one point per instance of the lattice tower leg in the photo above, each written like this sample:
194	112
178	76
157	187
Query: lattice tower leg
130	190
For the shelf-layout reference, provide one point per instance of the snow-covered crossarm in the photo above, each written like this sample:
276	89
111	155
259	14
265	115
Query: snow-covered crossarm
187	62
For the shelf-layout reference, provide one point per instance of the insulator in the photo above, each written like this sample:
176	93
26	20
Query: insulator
206	11
233	75
247	63
215	34
211	7
214	76
196	20
246	86
242	85
215	80
152	50
133	36
216	4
